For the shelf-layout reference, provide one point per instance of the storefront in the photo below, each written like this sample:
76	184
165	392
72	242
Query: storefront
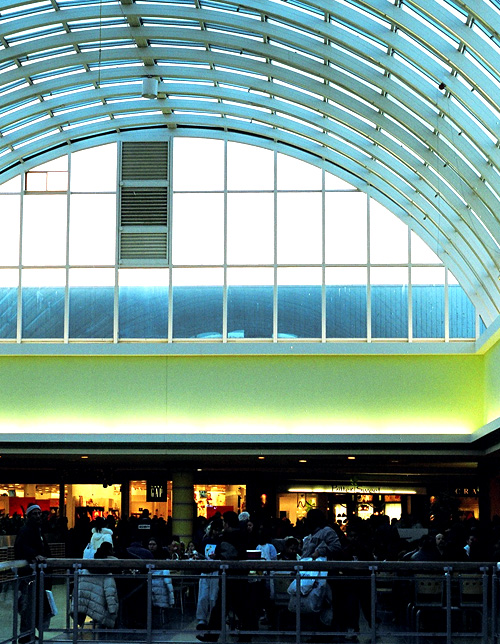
210	499
340	502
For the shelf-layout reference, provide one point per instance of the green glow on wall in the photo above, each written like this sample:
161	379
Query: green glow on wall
277	394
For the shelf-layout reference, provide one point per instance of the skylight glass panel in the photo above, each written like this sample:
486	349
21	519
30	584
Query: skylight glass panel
371	14
490	71
30	10
281	65
107	44
455	10
219	29
65	71
170	22
102	23
295	88
8	66
12	87
357	33
303	7
46	55
10	110
296	50
229	8
429	22
301	31
34	35
66	4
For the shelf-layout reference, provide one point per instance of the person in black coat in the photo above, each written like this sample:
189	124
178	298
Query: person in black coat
31	545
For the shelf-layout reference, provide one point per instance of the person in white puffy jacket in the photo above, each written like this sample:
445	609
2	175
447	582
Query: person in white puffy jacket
162	590
97	594
100	534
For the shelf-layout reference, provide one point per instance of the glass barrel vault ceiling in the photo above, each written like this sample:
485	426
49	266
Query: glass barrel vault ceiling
400	99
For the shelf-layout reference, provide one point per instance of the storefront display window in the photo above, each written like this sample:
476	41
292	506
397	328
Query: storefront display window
153	496
210	499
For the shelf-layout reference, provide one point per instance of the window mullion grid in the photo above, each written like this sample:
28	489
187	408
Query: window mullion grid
117	246
368	274
275	285
66	281
224	288
446	308
170	201
323	257
19	321
410	291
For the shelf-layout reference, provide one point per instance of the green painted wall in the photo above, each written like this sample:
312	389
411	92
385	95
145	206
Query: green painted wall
492	384
378	393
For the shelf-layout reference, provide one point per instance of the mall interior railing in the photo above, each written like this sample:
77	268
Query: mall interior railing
279	601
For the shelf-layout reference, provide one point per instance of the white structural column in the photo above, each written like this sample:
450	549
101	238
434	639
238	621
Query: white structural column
182	506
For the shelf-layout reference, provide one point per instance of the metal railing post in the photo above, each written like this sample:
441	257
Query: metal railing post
223	609
484	620
76	573
297	603
373	602
149	607
40	577
15	600
447	578
494	601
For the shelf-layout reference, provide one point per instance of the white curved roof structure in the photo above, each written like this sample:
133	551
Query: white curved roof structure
401	98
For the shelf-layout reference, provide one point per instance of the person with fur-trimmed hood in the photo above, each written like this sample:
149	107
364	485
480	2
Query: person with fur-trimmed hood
97	593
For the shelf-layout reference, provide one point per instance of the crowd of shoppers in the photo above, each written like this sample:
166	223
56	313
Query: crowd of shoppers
230	538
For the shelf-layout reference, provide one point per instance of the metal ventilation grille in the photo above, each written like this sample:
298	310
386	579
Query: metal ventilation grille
137	246
145	161
144	204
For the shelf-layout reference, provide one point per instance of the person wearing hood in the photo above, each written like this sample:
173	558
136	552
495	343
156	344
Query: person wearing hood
97	593
32	546
100	534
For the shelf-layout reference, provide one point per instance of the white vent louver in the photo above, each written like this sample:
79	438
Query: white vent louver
144	204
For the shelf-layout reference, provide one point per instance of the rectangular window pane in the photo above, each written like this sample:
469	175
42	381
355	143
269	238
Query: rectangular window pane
12	185
143	303
428	302
198	164
9	279
94	170
249	167
299	228
197	303
43	303
44	230
345	302
92	229
91	294
462	313
345	228
388	236
421	253
389	302
294	174
9	230
198	229
250	302
250	228
299	303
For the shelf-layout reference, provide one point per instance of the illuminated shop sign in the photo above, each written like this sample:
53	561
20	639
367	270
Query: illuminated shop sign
353	489
156	492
